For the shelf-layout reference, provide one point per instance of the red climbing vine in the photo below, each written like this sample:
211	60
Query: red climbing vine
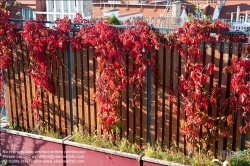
42	42
112	46
7	37
196	98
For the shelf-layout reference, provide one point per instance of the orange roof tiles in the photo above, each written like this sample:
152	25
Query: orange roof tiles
231	6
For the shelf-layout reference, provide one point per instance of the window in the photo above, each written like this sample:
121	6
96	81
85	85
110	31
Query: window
27	13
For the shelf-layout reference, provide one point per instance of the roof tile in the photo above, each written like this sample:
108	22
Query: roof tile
231	6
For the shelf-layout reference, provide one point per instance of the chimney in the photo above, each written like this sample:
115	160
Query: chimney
246	17
238	14
176	9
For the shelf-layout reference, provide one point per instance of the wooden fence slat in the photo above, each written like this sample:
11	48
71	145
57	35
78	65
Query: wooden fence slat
131	116
238	135
67	95
85	60
13	95
79	74
45	112
247	144
62	93
137	117
208	58
57	112
27	85
8	95
213	137
51	102
167	111
223	85
203	129
175	74
160	107
125	104
92	90
182	112
74	88
153	110
17	86
144	117
33	93
97	104
235	52
22	86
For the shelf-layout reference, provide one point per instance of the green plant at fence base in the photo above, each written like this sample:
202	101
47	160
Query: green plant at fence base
173	155
48	132
240	158
6	163
101	141
114	20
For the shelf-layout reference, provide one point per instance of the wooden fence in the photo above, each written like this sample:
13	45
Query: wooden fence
149	118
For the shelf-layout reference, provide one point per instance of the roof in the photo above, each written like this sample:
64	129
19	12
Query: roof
207	8
231	6
129	14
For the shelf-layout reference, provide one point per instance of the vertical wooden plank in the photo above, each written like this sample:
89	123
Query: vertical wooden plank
13	94
235	52
182	113
238	135
144	116
57	112
67	96
247	144
79	90
17	86
8	95
51	101
167	113
153	110
160	125
175	130
97	105
223	95
85	61
137	116
208	58
45	112
22	85
27	84
125	104
91	90
62	94
131	133
33	93
215	80
238	140
74	88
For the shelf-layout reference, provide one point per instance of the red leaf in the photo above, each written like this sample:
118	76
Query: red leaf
210	68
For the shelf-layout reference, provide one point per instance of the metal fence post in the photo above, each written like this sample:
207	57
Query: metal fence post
70	84
148	98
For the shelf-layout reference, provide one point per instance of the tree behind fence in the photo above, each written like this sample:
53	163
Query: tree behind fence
150	117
